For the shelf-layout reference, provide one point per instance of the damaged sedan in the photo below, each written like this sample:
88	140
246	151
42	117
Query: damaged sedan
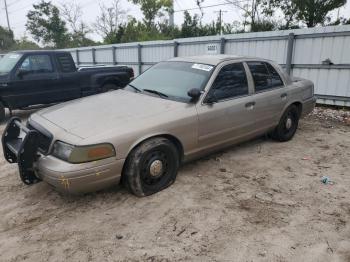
174	112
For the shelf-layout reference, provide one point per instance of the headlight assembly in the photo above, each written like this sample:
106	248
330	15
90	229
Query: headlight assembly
82	154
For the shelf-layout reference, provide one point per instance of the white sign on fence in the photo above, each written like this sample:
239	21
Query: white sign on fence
212	49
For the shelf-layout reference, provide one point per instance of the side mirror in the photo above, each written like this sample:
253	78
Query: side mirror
20	73
194	93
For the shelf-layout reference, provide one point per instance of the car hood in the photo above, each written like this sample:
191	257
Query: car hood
97	114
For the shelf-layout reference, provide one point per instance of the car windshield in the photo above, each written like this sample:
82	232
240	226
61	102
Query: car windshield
172	80
8	62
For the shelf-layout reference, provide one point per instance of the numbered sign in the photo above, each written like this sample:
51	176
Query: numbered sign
212	49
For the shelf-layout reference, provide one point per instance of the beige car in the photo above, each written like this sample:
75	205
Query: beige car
176	111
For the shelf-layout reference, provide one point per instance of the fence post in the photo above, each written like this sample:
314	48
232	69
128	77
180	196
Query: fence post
114	56
93	50
222	45
77	56
176	49
290	49
139	58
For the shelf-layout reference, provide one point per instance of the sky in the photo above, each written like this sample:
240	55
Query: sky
19	8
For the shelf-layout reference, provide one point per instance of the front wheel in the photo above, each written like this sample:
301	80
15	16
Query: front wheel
151	167
2	112
288	125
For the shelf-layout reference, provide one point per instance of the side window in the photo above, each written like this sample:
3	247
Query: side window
276	80
230	82
37	64
260	75
66	63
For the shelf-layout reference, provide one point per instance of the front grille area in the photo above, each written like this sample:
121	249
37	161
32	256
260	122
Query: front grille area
45	137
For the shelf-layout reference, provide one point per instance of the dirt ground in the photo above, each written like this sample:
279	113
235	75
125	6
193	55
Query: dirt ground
260	201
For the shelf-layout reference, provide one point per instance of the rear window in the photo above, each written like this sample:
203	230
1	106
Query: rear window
66	63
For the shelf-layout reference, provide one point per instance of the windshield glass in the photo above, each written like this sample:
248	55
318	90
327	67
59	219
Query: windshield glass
8	62
174	79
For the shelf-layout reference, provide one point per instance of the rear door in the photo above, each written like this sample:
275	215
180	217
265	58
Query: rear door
270	94
231	116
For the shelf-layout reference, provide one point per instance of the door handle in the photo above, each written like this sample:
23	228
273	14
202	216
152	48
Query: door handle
284	96
250	105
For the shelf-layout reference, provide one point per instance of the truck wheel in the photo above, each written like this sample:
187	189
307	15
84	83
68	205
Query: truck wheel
2	112
151	167
107	87
288	125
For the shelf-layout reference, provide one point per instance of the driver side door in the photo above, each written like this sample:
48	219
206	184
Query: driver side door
226	114
32	81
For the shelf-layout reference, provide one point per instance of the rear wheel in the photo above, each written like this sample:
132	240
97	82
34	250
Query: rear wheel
288	125
108	87
2	112
151	167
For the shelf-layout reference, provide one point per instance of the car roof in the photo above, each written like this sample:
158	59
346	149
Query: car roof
213	59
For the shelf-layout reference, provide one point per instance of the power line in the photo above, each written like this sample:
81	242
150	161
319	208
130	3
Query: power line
208	6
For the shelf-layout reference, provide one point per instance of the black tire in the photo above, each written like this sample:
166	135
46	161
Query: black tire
287	126
151	167
2	112
107	87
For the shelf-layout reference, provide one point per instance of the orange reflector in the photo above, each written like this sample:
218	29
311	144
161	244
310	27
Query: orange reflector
100	152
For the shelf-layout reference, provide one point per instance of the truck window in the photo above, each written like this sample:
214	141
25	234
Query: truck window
37	64
66	63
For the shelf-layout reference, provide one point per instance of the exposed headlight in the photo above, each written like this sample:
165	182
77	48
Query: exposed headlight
82	154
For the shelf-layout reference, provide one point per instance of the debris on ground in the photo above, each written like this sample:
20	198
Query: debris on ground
331	114
326	180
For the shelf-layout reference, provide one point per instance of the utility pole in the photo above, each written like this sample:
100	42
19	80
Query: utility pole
220	19
7	16
171	14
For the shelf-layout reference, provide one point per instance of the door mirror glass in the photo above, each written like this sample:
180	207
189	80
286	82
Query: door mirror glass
194	93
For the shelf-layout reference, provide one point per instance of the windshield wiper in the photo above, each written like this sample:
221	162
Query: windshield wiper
135	88
155	92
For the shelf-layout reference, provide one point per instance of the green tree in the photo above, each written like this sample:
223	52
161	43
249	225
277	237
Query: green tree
314	12
6	39
152	9
46	26
24	44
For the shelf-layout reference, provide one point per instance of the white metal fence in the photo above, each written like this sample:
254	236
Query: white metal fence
320	54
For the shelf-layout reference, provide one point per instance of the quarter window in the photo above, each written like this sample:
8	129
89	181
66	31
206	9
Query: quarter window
230	82
36	64
260	75
276	80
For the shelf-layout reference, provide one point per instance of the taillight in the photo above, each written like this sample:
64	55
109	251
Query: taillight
132	74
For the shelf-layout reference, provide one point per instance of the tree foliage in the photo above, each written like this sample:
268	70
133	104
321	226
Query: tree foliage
6	39
46	25
152	9
314	12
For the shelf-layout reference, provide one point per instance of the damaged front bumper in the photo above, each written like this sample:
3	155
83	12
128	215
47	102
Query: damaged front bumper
21	146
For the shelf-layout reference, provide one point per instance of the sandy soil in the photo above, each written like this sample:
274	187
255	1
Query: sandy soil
260	201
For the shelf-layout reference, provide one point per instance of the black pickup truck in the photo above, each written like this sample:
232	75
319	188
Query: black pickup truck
29	78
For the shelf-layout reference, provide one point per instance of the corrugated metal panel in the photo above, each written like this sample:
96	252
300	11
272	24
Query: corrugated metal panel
104	56
85	56
161	53
126	55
